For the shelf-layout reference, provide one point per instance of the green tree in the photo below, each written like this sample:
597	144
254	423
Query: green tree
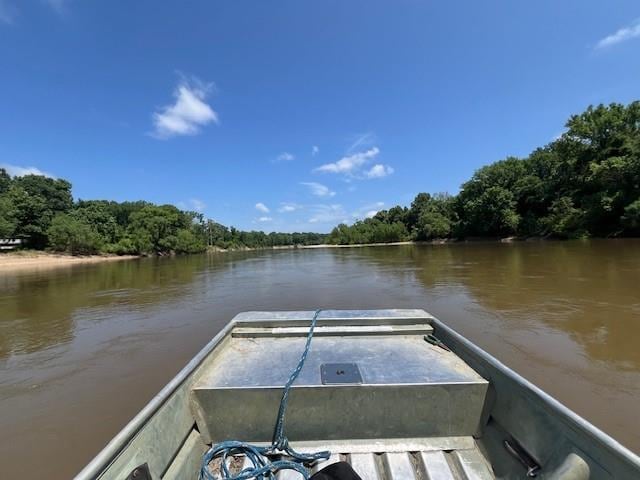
487	205
99	216
37	199
492	213
155	229
8	221
631	217
419	204
188	242
432	224
436	216
5	181
68	234
564	220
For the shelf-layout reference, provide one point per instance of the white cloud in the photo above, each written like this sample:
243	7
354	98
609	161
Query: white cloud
330	214
188	114
7	12
318	189
265	219
262	207
285	157
17	171
197	204
315	150
289	207
349	164
622	35
378	171
368	211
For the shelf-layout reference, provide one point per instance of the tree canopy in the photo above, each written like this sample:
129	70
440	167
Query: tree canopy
41	211
585	183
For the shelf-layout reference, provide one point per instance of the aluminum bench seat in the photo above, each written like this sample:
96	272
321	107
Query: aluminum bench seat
402	385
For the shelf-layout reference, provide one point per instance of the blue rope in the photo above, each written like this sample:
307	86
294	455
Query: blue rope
262	466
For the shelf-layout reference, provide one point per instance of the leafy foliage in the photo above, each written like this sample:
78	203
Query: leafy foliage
68	234
631	217
33	201
41	210
371	230
585	183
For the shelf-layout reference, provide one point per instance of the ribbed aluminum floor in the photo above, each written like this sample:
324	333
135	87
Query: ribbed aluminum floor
458	458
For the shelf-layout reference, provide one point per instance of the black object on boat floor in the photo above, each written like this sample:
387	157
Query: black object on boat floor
337	471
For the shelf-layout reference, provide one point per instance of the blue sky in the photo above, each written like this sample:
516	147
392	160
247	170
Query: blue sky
297	115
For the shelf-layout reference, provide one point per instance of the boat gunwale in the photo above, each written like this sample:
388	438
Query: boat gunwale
125	436
120	441
572	419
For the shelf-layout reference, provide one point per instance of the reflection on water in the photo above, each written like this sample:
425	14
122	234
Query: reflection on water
83	348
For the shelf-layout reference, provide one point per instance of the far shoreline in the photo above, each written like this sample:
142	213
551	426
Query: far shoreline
437	241
23	260
15	261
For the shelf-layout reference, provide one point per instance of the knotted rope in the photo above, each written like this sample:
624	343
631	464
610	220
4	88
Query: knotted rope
262	467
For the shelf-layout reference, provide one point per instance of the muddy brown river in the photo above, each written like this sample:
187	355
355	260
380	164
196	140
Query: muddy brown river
84	347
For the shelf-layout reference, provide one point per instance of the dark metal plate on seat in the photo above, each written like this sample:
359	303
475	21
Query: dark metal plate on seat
340	373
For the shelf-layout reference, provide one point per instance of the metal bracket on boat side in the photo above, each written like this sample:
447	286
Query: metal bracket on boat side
141	472
340	373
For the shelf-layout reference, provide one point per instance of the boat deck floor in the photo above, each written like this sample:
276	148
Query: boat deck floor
444	458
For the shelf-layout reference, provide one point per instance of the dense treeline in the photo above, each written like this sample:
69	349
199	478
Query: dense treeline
232	238
41	211
585	183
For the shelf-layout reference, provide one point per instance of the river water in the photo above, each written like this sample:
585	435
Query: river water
84	347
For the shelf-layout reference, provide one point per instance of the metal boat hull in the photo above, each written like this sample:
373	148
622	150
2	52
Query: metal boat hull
428	435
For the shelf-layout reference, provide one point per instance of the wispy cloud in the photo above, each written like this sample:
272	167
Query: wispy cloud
18	171
285	157
188	114
315	150
353	166
262	207
289	207
367	211
318	189
332	214
622	35
378	171
328	214
361	140
265	219
197	204
8	12
350	163
59	6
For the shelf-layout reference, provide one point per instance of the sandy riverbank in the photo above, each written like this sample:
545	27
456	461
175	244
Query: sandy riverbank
15	261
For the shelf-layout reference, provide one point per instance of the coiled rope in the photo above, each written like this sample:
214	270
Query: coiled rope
262	466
